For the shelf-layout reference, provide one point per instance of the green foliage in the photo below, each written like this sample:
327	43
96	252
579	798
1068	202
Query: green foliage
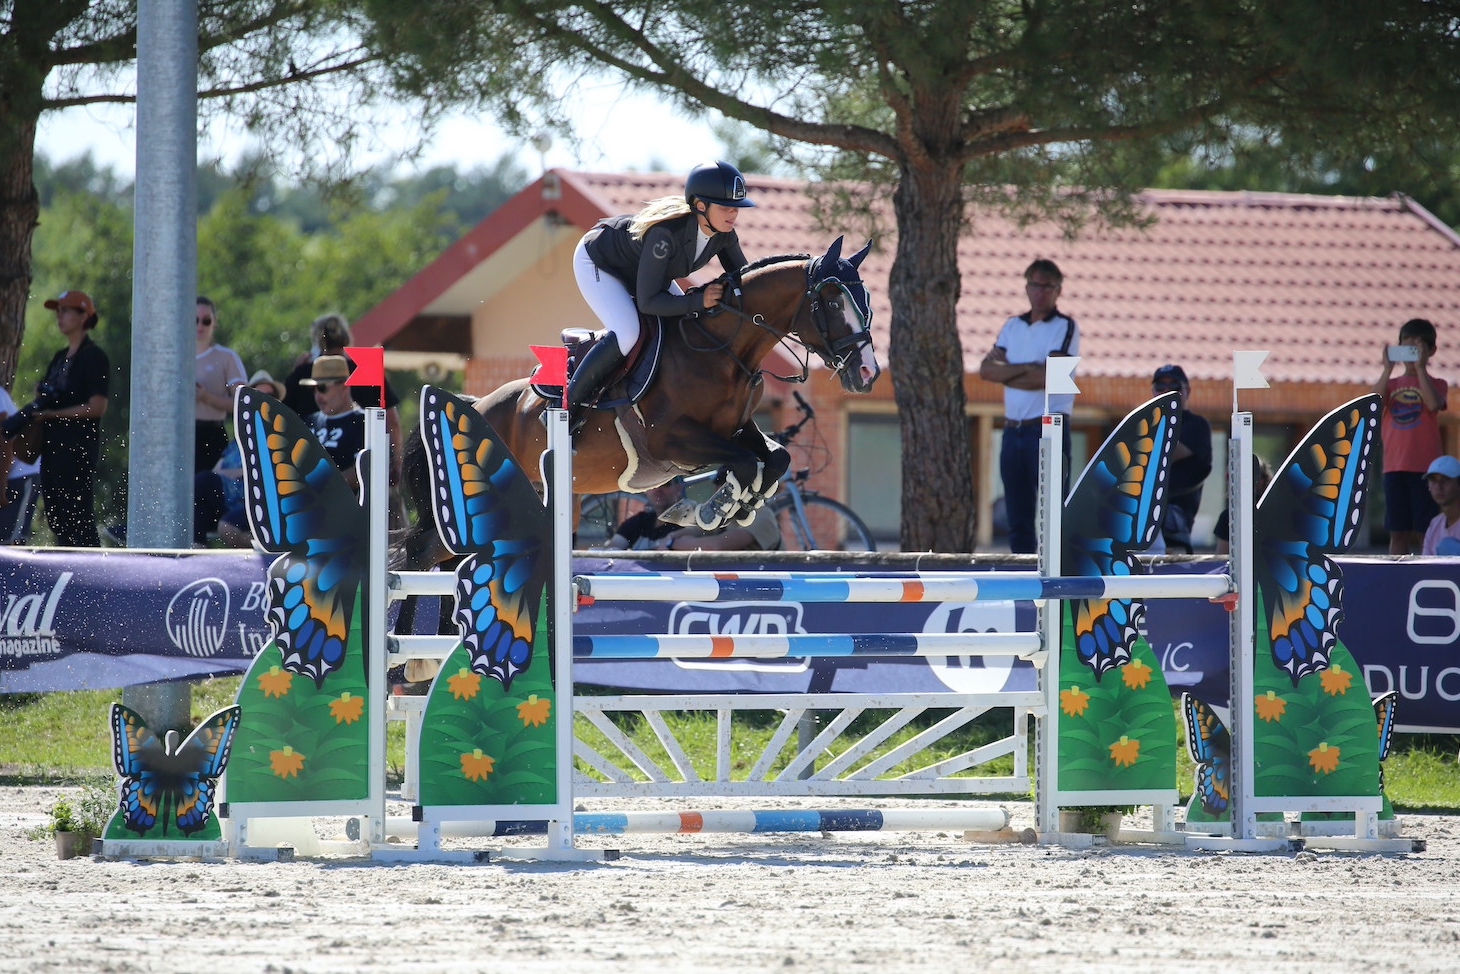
273	258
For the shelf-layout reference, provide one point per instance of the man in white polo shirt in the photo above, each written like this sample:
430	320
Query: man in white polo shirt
1017	362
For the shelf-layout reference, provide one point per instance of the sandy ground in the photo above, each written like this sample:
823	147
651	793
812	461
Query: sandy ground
924	901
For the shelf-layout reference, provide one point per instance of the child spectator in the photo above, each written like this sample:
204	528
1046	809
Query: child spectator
1443	481
1413	401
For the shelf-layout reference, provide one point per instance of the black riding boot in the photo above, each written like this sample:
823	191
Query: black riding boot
602	360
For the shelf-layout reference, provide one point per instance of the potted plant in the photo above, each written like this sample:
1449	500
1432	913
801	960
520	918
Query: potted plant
71	840
1095	819
75	823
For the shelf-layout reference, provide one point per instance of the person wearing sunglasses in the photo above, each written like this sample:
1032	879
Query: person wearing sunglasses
219	372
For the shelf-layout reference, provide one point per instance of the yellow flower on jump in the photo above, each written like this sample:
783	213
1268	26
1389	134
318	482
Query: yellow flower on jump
1324	758
276	682
1271	707
1335	681
1074	701
286	763
347	709
1136	674
534	711
465	685
477	766
1125	752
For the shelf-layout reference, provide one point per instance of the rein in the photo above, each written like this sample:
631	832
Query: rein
835	356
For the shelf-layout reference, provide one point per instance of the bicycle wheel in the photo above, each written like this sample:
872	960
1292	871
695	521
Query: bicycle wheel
600	514
830	525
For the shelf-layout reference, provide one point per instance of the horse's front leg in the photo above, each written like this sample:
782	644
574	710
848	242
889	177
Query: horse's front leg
774	460
743	458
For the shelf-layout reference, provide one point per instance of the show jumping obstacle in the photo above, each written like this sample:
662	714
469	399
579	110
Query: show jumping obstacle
491	749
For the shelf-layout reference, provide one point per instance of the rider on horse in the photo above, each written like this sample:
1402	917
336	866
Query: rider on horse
630	264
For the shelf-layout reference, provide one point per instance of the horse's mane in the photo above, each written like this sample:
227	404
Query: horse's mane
774	259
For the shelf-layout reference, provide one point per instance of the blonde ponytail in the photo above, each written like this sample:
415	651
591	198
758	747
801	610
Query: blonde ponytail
657	211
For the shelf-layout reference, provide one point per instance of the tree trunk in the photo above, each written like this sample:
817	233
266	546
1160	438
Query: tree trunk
938	510
19	206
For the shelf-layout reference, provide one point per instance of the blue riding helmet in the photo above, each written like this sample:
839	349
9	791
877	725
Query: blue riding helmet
716	182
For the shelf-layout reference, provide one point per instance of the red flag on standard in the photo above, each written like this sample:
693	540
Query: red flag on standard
554	359
369	366
369	369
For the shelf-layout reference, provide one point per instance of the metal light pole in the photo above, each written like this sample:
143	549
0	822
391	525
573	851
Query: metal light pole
164	288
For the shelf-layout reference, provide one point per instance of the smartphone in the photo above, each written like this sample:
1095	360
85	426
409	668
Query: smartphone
1404	353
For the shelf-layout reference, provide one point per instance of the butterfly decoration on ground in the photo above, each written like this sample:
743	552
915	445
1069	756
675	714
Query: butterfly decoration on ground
1210	744
299	505
1313	508
173	787
488	510
1114	510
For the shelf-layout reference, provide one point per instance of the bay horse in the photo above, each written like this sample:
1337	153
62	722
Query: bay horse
697	414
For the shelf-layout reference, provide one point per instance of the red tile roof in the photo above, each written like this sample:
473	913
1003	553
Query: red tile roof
1321	281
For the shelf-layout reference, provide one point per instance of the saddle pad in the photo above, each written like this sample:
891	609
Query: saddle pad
633	380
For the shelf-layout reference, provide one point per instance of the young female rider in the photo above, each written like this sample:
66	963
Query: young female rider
628	264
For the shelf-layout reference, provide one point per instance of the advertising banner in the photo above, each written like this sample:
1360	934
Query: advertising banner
74	620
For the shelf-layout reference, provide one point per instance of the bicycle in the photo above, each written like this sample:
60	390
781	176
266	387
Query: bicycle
808	520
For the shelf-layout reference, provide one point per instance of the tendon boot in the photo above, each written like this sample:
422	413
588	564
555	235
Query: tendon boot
602	360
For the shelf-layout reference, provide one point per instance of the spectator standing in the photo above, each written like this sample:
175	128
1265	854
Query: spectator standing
330	335
1191	461
22	485
1442	478
1413	401
219	371
1016	362
72	399
339	422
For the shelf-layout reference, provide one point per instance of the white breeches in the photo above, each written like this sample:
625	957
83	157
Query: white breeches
609	299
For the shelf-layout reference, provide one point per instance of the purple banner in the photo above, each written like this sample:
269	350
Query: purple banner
88	620
73	620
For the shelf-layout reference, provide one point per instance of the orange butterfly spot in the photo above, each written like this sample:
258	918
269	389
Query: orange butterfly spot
534	712
1074	701
1125	752
1324	758
477	766
276	682
347	709
1271	707
1335	681
286	763
1136	674
465	685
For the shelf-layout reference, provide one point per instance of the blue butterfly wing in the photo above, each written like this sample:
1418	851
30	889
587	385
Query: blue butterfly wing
299	504
156	783
1210	744
1114	510
134	749
487	509
199	762
1384	707
1313	508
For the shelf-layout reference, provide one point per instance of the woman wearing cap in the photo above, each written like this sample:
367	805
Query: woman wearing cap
72	400
630	264
219	371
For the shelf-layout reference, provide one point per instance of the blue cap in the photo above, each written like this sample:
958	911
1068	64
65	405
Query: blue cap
1445	467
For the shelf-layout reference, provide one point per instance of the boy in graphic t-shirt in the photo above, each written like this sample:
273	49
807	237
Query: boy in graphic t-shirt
1413	401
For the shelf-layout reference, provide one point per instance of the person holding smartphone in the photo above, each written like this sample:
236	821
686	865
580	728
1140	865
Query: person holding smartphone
1413	401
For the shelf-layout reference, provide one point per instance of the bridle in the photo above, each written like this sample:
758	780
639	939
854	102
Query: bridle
835	355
